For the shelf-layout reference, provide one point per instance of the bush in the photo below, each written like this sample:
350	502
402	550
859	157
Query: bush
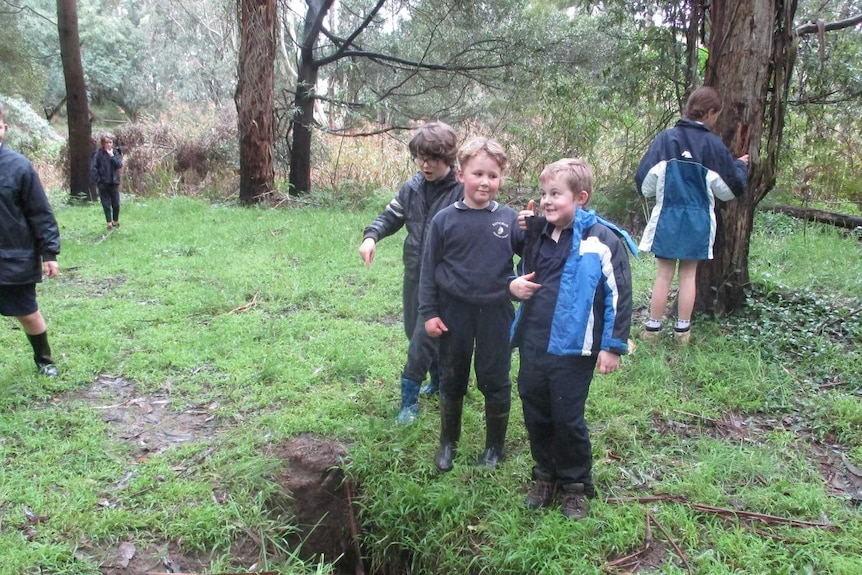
29	133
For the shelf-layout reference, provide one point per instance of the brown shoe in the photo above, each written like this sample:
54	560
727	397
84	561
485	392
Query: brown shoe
575	503
539	494
110	226
650	335
682	337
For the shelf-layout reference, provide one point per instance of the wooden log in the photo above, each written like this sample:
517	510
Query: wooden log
822	216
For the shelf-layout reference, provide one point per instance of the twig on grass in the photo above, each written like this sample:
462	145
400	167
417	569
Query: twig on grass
247	306
761	517
671	541
835	320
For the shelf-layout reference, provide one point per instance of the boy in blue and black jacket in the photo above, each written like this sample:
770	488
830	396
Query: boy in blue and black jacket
575	316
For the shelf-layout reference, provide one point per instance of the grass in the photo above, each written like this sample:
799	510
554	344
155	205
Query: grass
268	322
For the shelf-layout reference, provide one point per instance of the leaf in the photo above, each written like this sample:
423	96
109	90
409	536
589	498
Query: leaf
125	552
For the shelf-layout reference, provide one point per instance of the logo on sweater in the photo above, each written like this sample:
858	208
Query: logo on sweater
501	229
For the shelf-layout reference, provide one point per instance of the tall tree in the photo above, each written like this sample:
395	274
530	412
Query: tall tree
306	82
752	52
77	109
254	99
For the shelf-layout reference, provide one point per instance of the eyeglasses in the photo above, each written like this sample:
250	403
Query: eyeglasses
421	160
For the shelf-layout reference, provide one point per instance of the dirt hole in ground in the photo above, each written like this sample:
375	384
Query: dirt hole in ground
311	477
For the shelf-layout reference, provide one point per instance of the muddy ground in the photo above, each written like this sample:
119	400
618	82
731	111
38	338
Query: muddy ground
311	479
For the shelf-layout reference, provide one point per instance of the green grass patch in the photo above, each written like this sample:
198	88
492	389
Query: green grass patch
259	325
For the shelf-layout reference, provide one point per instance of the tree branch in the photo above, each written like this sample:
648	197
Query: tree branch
812	27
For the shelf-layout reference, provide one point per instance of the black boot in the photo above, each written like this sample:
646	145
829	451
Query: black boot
450	432
42	354
496	423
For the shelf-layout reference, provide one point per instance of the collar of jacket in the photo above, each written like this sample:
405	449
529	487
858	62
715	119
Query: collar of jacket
491	207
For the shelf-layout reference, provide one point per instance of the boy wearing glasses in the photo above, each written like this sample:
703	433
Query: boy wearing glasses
434	147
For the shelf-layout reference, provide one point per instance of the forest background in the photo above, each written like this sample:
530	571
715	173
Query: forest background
547	79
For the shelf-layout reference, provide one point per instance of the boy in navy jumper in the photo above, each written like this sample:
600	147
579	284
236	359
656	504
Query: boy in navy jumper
575	316
465	302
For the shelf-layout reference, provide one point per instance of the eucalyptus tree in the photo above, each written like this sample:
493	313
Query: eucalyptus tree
254	98
77	108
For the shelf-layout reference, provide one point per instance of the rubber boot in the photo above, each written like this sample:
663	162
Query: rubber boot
433	385
409	401
496	423
42	354
450	432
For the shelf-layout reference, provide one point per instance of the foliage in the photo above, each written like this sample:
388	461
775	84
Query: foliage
28	132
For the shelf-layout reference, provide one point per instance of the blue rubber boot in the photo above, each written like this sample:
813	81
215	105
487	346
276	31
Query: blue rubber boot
433	385
409	401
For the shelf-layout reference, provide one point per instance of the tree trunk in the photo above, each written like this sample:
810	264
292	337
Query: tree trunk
254	100
751	56
77	109
300	151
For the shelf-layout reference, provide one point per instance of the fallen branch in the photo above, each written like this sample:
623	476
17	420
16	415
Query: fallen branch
671	541
761	517
835	320
820	216
247	306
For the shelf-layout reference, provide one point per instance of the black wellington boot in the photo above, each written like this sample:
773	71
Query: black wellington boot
450	432
496	423
42	354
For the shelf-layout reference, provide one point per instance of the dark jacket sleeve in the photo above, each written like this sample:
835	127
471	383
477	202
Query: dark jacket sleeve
654	155
619	297
429	291
392	218
40	217
733	171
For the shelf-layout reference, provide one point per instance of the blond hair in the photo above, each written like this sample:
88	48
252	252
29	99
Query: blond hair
480	145
577	171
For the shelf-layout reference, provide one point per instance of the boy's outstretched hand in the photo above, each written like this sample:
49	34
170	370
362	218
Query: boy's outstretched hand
367	249
435	327
527	213
523	287
607	362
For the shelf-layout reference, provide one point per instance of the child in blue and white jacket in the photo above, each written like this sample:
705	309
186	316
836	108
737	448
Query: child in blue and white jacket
685	169
575	316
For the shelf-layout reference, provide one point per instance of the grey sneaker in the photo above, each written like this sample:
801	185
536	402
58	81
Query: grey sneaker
575	503
539	494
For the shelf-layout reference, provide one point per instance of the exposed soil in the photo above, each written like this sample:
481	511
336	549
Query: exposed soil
311	479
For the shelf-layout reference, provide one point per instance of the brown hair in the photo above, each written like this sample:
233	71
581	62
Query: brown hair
482	145
2	113
701	102
106	138
577	171
435	140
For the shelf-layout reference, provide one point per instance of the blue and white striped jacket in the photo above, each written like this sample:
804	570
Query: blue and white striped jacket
685	169
594	304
